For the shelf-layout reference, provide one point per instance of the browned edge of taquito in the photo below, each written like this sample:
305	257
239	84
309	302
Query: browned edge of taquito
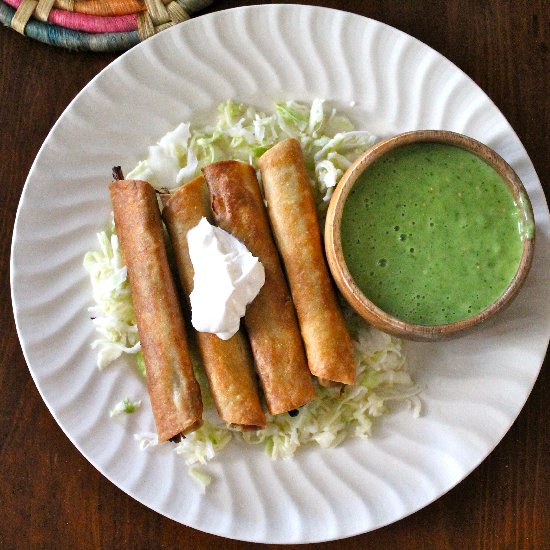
295	223
270	319
228	363
173	391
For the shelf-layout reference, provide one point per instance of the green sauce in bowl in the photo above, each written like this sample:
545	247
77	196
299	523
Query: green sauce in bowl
431	234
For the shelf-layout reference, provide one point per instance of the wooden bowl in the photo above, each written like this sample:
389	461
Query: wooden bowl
345	282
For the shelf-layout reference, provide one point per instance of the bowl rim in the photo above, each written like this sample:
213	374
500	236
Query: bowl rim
343	278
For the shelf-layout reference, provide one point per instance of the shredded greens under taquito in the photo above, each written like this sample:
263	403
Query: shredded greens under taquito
330	144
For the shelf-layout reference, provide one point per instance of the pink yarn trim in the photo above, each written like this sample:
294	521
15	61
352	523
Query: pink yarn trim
93	23
85	22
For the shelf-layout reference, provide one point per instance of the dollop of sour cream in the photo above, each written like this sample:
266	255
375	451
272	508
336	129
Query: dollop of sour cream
227	278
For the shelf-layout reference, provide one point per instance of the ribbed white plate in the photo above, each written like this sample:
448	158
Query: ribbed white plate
385	81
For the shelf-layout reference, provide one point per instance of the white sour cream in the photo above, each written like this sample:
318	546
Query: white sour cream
227	278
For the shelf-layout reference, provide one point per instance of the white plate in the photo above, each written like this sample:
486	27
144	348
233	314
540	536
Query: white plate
475	386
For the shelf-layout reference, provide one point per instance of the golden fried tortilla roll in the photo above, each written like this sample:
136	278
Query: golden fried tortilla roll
293	215
174	393
228	363
270	319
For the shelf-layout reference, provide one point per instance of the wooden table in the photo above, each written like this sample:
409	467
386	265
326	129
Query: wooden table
51	497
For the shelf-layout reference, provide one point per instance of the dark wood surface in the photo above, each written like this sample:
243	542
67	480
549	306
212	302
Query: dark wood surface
51	497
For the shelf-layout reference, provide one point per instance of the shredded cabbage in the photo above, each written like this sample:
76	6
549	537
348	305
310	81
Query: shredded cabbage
125	406
334	415
113	313
330	144
202	445
201	477
241	132
146	440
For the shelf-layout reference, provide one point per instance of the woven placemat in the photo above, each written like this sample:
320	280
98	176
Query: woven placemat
95	25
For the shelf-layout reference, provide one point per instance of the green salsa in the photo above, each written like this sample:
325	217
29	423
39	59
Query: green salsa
431	234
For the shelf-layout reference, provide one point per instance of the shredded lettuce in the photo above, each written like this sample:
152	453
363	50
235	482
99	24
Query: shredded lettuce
201	477
241	132
334	415
330	144
113	313
202	445
125	406
146	440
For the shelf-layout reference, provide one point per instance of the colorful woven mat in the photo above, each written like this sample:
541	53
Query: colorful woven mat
95	25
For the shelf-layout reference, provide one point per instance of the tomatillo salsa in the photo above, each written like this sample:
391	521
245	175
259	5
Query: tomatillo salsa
431	234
